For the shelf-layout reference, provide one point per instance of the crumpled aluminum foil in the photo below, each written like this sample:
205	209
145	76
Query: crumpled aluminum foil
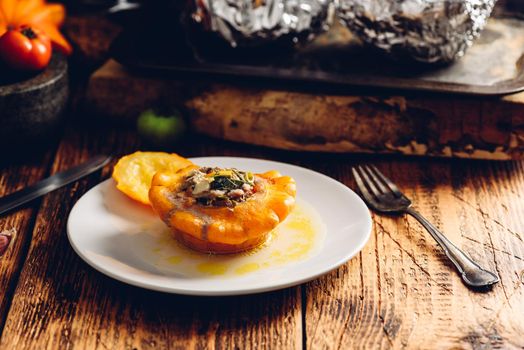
254	22
429	31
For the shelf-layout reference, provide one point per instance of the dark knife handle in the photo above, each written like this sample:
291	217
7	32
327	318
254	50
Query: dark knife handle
52	183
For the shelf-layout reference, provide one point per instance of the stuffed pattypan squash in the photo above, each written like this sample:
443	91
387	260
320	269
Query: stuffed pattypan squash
221	210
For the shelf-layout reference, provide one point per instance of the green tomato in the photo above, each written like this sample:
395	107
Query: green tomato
159	129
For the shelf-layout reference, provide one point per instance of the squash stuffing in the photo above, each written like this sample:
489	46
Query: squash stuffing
221	210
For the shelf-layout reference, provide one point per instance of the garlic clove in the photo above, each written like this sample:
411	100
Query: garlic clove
5	239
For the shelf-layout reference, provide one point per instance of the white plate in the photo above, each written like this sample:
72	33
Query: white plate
126	241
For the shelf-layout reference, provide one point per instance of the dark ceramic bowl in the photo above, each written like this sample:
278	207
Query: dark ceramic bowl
31	107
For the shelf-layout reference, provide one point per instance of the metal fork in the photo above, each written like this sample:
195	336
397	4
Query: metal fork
383	195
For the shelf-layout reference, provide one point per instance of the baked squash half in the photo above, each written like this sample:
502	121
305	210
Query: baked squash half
220	210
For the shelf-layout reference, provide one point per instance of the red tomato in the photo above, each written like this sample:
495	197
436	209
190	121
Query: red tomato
25	49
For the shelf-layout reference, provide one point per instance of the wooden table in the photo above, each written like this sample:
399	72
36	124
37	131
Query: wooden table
399	292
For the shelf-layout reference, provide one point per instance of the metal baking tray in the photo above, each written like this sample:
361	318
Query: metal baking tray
334	61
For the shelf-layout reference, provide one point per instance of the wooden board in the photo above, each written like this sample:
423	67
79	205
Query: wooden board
443	126
62	303
16	175
398	293
401	291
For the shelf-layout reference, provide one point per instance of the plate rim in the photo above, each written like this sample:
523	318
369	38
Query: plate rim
230	292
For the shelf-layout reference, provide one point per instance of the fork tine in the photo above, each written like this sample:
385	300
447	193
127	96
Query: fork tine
376	180
388	182
361	186
368	182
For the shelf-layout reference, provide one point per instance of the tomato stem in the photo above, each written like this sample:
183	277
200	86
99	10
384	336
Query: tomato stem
29	33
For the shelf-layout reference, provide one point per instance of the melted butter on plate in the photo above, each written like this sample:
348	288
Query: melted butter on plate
296	239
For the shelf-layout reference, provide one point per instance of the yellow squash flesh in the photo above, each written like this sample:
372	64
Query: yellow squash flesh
133	173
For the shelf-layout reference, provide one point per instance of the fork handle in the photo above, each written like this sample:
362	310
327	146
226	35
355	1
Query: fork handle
472	274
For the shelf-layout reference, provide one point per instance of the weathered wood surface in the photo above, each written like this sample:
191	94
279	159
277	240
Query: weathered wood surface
444	126
61	303
399	292
13	176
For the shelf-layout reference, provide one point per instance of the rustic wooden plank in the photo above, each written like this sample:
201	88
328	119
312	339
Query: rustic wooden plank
14	175
92	36
443	126
401	292
398	293
62	303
